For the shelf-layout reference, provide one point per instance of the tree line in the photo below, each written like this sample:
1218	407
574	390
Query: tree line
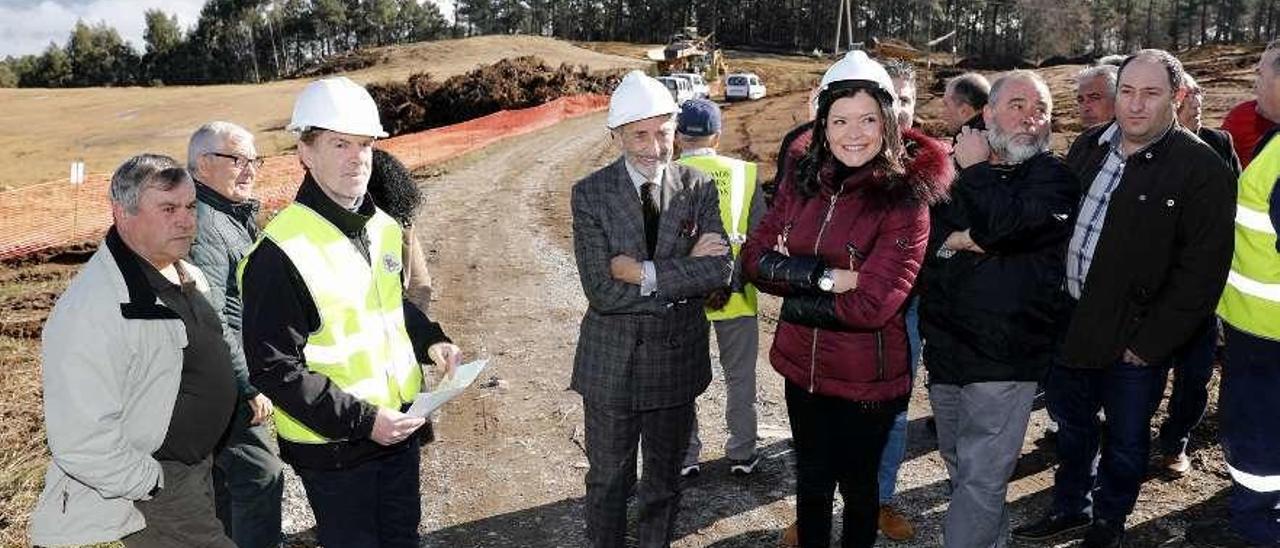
260	40
1035	29
233	41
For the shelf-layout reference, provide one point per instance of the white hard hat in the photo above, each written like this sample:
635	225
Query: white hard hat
638	97
856	66
336	104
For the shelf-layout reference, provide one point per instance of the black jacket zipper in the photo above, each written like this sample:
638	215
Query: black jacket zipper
879	355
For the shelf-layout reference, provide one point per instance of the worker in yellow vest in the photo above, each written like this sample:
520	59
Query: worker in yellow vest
1250	311
732	310
328	336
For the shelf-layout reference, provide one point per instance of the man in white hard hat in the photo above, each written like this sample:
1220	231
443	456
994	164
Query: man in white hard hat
649	245
328	336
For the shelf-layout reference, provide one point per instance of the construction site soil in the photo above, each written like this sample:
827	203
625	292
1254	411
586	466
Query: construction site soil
507	469
421	102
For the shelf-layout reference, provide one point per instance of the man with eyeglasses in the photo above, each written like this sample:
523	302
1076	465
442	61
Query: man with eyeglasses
247	475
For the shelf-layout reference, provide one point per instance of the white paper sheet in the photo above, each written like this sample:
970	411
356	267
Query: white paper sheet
448	388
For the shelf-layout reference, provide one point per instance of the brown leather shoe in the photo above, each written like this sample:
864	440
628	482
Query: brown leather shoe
894	526
790	537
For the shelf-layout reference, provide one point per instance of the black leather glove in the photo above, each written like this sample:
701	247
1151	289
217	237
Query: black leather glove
811	311
718	298
798	272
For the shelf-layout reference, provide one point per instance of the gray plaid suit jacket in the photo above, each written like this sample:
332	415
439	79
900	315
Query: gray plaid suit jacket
649	352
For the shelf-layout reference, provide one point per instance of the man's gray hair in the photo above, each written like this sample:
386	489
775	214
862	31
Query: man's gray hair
142	172
971	89
1114	60
1189	81
1099	71
210	138
900	70
1274	46
1024	76
1171	65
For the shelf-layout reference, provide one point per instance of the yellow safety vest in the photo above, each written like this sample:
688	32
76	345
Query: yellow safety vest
1251	300
736	183
362	344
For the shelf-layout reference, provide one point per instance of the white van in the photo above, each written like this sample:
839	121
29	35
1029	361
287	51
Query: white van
743	86
700	88
680	88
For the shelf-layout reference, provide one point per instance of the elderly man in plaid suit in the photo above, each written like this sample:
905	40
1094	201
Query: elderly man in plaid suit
649	246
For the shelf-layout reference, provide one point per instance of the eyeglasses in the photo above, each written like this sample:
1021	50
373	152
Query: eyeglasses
240	161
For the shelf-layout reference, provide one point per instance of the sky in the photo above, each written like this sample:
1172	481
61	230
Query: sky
27	26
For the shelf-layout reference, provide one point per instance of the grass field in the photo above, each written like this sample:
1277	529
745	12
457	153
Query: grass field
47	129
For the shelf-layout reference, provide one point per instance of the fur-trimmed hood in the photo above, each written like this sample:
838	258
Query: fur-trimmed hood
929	172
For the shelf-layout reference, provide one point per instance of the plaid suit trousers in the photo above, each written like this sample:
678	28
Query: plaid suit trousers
612	436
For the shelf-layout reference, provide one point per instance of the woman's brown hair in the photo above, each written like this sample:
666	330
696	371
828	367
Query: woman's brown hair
887	161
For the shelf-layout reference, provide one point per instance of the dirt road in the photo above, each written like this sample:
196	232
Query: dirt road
508	469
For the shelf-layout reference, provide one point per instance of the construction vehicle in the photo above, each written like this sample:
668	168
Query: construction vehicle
687	52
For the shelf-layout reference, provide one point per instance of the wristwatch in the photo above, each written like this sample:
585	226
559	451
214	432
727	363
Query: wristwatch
827	281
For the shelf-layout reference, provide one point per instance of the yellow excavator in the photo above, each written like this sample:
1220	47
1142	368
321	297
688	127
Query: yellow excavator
686	51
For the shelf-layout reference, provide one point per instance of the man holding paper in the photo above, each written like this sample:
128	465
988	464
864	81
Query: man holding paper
329	338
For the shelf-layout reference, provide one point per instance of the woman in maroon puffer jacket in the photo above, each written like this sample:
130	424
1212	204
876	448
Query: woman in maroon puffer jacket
842	245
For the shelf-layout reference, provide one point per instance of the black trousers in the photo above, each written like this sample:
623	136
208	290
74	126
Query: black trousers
612	434
838	444
248	483
376	504
181	514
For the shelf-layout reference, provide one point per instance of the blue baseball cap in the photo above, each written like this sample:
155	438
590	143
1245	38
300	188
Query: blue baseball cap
699	118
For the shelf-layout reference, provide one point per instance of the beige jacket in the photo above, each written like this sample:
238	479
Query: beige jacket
109	390
417	279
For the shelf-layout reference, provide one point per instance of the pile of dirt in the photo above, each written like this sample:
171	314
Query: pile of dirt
885	48
996	62
72	254
1086	59
422	103
1222	65
346	62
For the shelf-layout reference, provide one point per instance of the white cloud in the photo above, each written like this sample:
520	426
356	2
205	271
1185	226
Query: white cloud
29	26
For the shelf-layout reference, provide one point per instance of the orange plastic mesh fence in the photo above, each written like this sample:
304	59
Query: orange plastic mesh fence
57	213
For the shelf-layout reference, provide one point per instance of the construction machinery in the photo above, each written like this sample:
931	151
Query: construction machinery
688	52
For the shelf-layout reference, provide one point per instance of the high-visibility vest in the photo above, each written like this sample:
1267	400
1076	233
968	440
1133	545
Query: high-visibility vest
362	344
1251	300
736	183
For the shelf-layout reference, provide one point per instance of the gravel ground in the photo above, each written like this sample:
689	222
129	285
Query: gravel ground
508	469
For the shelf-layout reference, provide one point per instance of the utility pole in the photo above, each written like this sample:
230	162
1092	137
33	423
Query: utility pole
844	22
848	27
835	51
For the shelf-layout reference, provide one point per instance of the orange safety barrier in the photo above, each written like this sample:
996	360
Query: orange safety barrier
58	214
